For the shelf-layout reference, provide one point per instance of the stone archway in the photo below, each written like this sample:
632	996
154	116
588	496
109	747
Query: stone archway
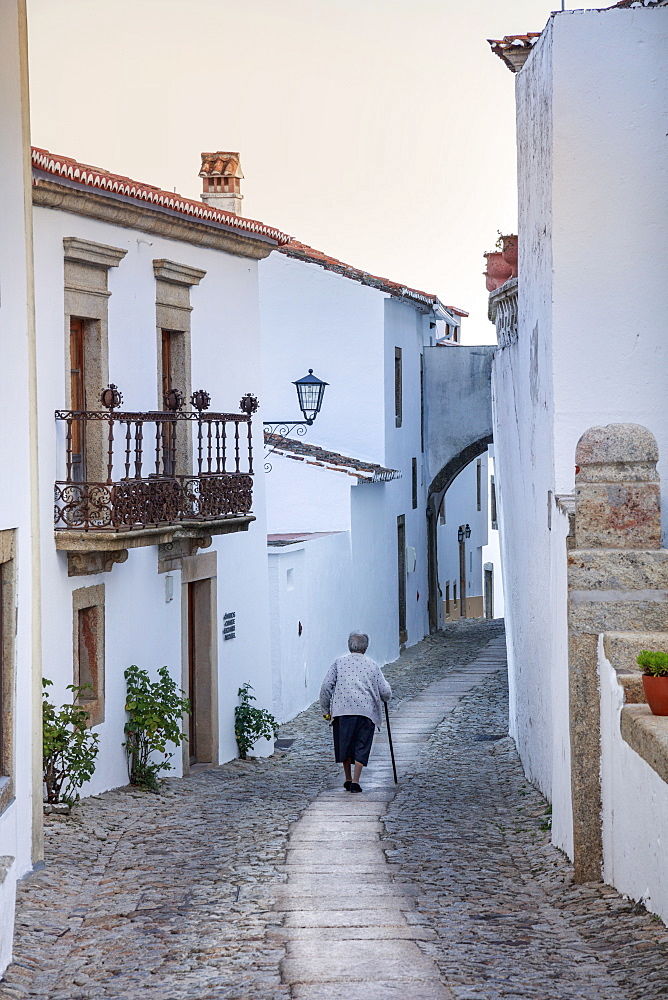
458	428
437	490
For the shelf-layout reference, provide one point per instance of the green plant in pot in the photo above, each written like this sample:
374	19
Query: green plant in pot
655	679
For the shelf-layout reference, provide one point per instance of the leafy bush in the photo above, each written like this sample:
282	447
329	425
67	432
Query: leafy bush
155	710
69	747
250	723
654	663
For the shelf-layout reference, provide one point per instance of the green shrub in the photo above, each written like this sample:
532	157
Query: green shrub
69	747
250	723
155	710
654	663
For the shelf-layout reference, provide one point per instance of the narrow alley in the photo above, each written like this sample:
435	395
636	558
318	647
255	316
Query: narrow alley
262	879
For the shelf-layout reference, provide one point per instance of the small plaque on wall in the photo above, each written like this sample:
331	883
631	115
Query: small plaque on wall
230	625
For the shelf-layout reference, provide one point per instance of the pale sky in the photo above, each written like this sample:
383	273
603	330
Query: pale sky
379	131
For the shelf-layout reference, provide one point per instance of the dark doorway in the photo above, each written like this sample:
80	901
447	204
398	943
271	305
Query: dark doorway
200	673
401	576
489	593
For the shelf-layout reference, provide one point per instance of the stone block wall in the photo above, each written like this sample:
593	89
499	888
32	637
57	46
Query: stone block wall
617	605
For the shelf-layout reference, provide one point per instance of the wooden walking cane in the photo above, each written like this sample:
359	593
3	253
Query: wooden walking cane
389	737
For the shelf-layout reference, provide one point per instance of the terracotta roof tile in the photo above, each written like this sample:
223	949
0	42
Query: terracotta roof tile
96	178
513	50
366	472
300	251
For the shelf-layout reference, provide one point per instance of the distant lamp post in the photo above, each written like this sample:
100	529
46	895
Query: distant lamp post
463	533
310	393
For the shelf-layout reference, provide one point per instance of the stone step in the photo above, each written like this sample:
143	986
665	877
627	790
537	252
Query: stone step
621	648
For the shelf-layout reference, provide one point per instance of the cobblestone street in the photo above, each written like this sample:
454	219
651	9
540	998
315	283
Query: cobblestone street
263	879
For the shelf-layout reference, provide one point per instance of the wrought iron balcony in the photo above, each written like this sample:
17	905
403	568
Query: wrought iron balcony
126	471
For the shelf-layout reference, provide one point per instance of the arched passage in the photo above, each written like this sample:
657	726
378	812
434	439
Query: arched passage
437	491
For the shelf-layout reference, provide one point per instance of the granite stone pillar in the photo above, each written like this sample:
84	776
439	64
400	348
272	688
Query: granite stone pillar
616	583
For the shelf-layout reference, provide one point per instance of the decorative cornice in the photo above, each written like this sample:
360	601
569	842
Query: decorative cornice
177	274
116	185
49	193
87	252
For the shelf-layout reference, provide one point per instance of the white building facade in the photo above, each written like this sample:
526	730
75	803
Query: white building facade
360	470
158	552
581	345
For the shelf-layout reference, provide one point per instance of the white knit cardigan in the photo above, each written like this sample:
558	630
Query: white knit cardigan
354	685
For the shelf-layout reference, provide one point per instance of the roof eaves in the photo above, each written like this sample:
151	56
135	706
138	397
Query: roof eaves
311	454
514	50
67	169
300	251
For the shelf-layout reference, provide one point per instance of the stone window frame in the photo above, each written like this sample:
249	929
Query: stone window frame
8	611
86	271
82	599
173	310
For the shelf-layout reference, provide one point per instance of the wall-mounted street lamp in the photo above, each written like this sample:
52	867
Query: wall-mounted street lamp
310	393
464	532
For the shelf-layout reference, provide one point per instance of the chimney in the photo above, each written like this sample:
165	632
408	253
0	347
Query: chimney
221	173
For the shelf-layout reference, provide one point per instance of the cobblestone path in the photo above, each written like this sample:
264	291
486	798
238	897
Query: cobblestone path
187	894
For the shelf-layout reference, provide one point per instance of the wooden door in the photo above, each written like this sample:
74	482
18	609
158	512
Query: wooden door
202	720
192	686
401	576
78	398
489	593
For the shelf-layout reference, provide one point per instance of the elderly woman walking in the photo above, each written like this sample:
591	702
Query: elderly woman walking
351	695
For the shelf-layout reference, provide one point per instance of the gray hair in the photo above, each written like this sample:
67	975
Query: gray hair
358	642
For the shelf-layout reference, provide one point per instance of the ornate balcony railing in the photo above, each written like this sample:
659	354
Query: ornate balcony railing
503	312
125	470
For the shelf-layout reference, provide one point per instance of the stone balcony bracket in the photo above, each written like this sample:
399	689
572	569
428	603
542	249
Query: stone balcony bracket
90	552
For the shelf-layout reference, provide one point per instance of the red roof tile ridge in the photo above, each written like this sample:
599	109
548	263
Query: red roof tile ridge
96	177
508	40
302	251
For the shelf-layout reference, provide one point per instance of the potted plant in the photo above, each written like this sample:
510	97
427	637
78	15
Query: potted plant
655	679
509	251
497	267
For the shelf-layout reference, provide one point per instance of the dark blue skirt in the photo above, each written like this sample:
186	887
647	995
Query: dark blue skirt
353	736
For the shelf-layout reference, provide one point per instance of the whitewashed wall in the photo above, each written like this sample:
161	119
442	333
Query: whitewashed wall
301	498
634	807
347	333
314	318
310	582
591	346
609	207
408	328
491	551
141	627
16	827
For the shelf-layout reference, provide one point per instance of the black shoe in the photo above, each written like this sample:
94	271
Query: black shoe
347	785
354	787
